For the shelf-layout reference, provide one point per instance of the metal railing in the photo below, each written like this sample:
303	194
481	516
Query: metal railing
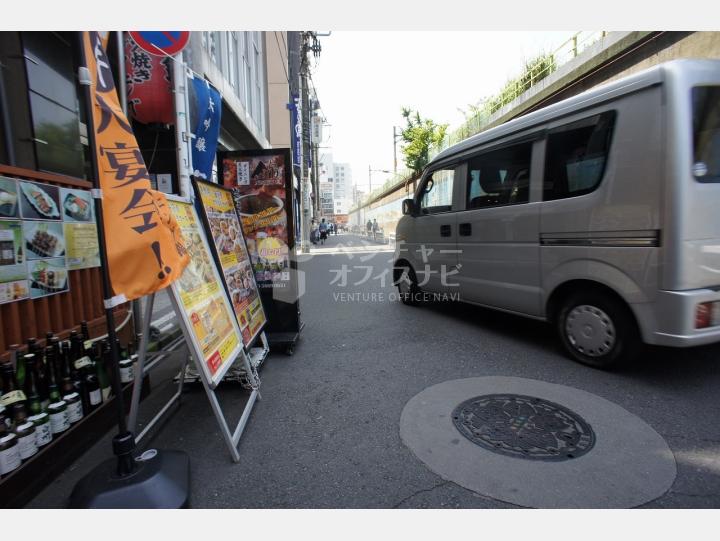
535	71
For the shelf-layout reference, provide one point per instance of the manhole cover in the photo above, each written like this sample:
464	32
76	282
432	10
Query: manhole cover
524	427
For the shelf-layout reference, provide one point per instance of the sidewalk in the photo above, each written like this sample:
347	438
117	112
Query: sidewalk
350	243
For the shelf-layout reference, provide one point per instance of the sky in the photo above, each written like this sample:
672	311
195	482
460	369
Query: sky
363	79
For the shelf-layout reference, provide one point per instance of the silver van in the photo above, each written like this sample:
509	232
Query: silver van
600	214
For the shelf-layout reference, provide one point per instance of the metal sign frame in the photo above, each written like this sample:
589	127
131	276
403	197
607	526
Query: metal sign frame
231	438
240	353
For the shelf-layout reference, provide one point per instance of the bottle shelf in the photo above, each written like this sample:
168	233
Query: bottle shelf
23	484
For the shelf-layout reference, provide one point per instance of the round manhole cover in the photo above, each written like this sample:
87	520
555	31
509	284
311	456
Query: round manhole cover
524	427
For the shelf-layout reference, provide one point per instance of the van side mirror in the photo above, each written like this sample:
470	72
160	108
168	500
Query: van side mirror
408	207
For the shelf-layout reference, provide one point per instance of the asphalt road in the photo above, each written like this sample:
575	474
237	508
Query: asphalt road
325	434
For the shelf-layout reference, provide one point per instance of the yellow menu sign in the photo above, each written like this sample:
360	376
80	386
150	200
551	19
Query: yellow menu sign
205	307
227	237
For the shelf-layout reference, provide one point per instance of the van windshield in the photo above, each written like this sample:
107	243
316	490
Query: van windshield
706	133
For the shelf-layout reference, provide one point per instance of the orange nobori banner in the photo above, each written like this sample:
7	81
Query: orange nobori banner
145	248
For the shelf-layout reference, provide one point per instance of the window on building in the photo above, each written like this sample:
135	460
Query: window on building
241	68
500	177
232	51
213	49
437	191
248	72
257	65
54	102
576	155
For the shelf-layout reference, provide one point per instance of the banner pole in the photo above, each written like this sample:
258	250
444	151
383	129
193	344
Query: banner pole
124	441
155	479
122	91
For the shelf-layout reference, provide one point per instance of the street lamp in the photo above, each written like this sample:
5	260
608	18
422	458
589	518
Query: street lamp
370	172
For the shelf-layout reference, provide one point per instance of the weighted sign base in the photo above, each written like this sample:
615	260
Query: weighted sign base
161	481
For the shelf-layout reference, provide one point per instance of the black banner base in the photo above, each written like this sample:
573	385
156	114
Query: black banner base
161	481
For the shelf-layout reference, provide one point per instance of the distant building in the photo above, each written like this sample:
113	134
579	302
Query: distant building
343	196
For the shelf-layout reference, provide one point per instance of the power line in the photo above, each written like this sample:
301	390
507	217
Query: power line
280	50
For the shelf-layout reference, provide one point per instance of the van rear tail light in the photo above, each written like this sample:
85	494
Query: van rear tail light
707	314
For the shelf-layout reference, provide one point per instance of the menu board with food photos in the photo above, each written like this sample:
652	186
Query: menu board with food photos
201	301
50	231
13	272
259	190
232	256
265	199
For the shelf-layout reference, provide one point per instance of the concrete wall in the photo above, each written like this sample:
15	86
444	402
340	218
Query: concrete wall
694	45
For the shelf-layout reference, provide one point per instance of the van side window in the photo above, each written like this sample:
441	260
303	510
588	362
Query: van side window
576	155
437	191
500	177
706	133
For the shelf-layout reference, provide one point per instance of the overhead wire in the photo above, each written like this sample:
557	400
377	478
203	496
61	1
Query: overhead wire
280	50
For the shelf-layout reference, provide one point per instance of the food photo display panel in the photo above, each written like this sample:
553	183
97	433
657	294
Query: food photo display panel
9	206
47	277
202	302
13	266
77	205
231	254
44	239
39	201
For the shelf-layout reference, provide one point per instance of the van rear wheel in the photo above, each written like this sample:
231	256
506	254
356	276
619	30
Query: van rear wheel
597	330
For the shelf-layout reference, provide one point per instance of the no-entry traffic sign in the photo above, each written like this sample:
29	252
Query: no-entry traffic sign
161	43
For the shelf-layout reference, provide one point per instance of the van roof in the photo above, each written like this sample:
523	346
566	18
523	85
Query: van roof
599	94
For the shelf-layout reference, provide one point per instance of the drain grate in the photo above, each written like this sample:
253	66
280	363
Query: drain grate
524	427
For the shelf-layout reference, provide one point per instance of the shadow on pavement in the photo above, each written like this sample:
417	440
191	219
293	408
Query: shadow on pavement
663	365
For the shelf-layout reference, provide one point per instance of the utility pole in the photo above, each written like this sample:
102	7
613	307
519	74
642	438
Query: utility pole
394	150
304	159
316	179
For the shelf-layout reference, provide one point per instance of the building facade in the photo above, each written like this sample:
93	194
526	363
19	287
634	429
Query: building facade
44	133
250	69
343	187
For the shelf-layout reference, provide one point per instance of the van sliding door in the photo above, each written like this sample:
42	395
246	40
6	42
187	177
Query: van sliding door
498	231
